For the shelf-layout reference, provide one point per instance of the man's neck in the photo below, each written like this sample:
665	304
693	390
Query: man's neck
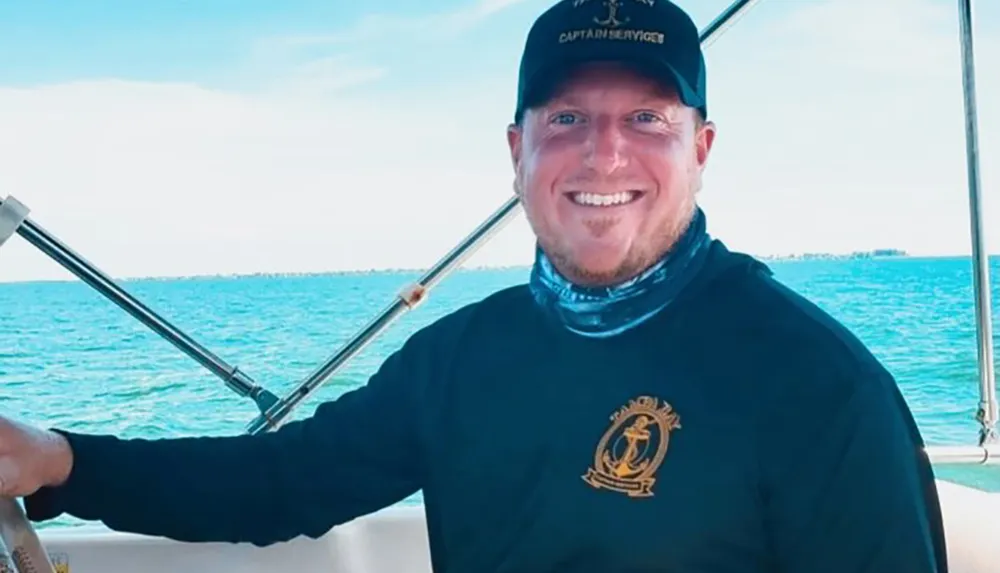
608	310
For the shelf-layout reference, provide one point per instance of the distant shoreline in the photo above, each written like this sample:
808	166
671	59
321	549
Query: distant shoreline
873	254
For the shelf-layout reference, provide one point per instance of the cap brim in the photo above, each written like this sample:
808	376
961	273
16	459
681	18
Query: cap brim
545	81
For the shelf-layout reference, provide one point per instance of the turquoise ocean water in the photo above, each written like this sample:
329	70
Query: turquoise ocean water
70	358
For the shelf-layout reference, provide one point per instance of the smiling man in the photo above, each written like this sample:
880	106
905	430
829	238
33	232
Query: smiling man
648	402
607	169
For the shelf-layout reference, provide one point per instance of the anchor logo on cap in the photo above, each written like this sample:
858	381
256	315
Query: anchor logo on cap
612	20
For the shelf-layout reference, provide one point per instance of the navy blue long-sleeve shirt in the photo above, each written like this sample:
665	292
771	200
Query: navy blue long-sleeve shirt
741	430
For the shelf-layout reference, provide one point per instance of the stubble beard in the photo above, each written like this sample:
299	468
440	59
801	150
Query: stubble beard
639	258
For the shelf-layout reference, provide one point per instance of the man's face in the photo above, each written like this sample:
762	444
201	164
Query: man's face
607	171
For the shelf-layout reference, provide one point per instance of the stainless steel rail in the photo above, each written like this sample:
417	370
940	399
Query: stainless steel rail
988	454
32	232
987	413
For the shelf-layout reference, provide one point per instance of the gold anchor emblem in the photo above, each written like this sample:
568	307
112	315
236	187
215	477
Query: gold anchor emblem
612	20
632	449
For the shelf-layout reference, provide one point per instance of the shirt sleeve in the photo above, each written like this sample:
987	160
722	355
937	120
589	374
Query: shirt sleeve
355	455
848	486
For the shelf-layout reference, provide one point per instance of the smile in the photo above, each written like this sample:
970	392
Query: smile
605	199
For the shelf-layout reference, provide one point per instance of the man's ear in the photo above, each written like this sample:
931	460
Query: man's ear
703	141
515	136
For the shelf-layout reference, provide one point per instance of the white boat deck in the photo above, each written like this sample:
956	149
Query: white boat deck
395	541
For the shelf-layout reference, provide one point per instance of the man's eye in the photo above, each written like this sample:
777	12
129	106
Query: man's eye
646	117
565	118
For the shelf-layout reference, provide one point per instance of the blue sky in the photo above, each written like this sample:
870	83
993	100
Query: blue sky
314	135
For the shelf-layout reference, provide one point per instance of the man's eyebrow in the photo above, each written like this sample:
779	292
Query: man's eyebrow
565	100
654	99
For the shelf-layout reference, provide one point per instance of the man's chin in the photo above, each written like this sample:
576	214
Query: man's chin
597	268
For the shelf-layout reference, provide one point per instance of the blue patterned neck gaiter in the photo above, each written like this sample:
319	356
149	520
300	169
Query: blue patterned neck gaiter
601	312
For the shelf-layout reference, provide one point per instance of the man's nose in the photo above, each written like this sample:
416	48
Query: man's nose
605	146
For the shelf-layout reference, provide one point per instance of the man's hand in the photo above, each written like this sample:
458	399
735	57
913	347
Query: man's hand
31	458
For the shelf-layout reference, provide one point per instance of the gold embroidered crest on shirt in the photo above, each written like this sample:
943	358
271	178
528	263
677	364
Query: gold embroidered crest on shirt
633	447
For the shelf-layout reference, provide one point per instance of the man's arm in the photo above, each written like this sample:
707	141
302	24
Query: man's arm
848	486
355	455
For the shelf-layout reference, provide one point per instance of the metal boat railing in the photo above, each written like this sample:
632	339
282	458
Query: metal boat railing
274	411
988	411
14	217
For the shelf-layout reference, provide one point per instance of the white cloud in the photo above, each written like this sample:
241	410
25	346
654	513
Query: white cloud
442	25
902	39
842	128
150	179
326	76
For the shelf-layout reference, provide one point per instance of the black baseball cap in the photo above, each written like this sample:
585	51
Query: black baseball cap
656	37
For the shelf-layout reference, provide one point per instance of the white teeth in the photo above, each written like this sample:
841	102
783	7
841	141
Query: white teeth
600	200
